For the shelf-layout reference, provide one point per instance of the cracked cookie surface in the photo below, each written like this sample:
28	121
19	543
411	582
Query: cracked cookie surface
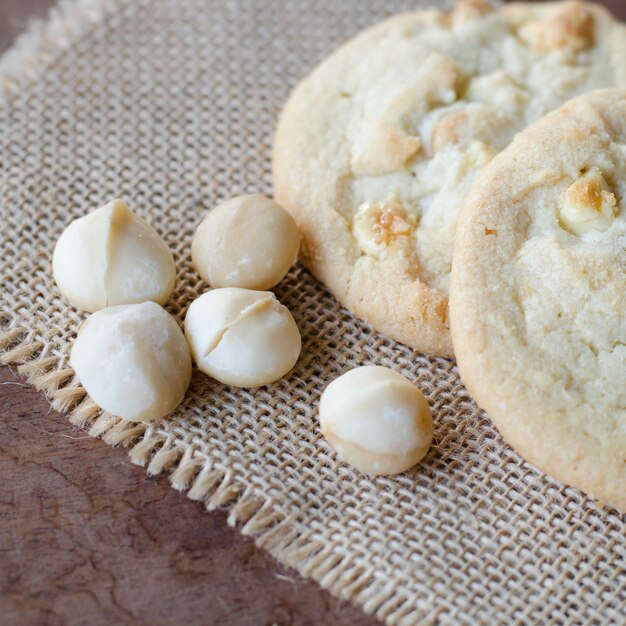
377	149
538	294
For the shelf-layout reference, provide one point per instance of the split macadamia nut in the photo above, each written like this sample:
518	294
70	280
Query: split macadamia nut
111	257
248	242
377	420
133	361
241	337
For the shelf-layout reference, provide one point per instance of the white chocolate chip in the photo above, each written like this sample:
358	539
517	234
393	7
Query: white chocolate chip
377	225
478	154
498	89
376	420
589	207
248	242
133	361
111	256
241	337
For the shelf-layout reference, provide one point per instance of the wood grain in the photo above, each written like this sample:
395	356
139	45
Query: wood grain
87	538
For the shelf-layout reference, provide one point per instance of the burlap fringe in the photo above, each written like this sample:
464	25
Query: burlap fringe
256	516
45	40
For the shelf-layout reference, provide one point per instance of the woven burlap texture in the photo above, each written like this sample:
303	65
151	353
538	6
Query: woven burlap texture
171	104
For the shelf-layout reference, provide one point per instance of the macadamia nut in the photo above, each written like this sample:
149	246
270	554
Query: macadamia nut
133	361
111	257
377	420
248	242
241	337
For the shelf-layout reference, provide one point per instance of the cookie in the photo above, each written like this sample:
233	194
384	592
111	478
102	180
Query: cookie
376	150
538	294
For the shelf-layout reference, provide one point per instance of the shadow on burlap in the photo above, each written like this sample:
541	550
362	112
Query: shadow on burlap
171	105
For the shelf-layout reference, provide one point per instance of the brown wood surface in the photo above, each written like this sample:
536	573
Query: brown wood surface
87	538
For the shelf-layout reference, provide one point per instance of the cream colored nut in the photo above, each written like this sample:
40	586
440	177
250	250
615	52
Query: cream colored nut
377	225
133	361
589	207
241	337
111	257
376	420
248	242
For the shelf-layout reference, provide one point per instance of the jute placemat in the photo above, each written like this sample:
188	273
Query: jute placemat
171	105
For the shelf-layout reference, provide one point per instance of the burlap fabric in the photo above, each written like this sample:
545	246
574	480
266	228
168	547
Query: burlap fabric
171	104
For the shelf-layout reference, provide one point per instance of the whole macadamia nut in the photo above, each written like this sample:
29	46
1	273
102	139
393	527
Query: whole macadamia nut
241	337
133	361
377	420
111	256
248	242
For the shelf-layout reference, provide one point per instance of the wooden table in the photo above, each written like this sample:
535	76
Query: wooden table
87	538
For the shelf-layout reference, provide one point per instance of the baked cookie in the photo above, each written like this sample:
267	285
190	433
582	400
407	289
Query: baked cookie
376	150
538	294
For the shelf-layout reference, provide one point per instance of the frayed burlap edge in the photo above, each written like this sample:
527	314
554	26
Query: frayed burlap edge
45	40
255	515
